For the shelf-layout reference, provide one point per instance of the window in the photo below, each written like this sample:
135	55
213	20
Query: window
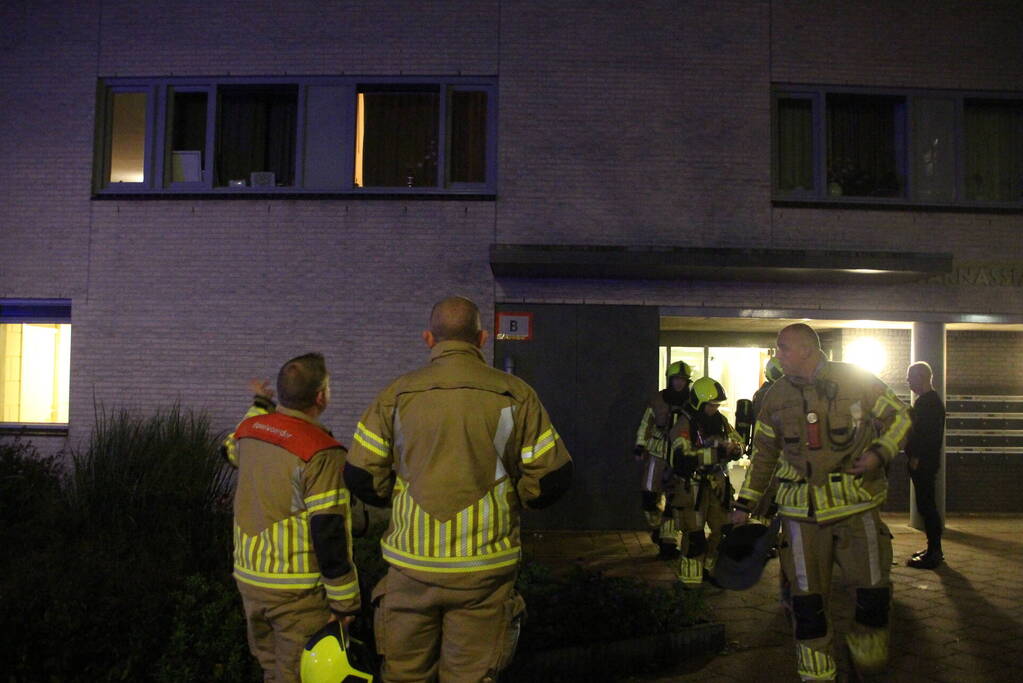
396	138
256	135
296	135
187	136
35	343
911	147
994	150
127	131
865	141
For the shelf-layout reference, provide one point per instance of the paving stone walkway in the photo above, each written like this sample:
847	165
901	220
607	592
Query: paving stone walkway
960	623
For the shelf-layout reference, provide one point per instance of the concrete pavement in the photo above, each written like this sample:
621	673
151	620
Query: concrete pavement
960	623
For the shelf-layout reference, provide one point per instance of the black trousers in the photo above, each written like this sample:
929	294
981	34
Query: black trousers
924	482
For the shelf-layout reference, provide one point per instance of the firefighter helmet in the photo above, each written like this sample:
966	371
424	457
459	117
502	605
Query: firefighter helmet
332	657
773	371
705	390
743	553
679	367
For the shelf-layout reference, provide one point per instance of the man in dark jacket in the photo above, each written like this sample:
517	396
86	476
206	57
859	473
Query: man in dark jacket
923	450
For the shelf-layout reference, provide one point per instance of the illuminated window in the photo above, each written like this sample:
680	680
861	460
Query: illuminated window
35	344
295	135
127	138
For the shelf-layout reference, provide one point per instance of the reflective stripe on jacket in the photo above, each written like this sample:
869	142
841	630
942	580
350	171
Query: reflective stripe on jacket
855	412
458	448
292	519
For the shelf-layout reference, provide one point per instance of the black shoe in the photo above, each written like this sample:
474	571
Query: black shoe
920	553
926	561
667	552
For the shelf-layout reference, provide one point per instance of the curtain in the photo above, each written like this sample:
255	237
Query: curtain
994	150
468	142
861	133
400	139
795	144
256	132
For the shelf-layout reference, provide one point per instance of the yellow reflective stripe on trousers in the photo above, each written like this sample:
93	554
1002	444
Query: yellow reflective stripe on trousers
275	580
813	665
691	570
371	441
345	591
506	558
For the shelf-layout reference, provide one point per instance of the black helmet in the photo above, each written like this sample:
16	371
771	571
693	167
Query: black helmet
743	553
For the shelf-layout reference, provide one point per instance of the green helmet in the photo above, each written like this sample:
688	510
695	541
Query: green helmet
706	390
773	371
330	657
679	367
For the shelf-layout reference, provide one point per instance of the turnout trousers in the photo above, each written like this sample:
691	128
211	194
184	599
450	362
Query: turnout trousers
701	512
861	545
429	632
279	624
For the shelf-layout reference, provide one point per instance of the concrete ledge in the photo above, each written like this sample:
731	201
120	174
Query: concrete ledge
608	661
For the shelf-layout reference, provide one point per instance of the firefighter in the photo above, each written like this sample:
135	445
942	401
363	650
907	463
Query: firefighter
772	373
828	431
292	521
703	442
456	448
651	449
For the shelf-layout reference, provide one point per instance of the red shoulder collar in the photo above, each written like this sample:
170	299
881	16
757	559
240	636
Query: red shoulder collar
298	437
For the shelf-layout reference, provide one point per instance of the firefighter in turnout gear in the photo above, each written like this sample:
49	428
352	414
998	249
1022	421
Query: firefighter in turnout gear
828	432
456	448
652	448
703	442
292	519
772	373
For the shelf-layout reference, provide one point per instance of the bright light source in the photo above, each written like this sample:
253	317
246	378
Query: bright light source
866	352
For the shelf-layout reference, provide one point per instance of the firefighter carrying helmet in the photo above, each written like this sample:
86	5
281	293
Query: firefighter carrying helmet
743	553
773	371
332	657
679	367
706	390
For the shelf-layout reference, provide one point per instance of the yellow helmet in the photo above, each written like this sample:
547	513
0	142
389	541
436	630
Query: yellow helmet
331	657
773	370
706	390
679	367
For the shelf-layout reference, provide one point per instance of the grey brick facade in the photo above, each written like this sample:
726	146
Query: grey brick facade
644	123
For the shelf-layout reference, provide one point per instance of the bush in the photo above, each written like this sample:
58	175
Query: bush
207	640
98	580
584	606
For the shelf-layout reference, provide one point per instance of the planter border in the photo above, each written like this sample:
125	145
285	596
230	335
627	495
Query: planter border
595	660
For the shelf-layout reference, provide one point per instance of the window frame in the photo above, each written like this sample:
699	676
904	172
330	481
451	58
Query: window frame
341	127
36	311
819	195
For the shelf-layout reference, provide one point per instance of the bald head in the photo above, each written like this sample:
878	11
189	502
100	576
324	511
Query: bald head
456	319
799	350
918	377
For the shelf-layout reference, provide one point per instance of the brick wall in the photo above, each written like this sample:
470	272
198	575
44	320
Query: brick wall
633	124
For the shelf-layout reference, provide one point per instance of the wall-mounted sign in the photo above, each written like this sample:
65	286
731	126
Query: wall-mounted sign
515	326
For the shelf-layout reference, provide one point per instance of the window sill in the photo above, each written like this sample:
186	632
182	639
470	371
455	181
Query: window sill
879	204
32	429
292	193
